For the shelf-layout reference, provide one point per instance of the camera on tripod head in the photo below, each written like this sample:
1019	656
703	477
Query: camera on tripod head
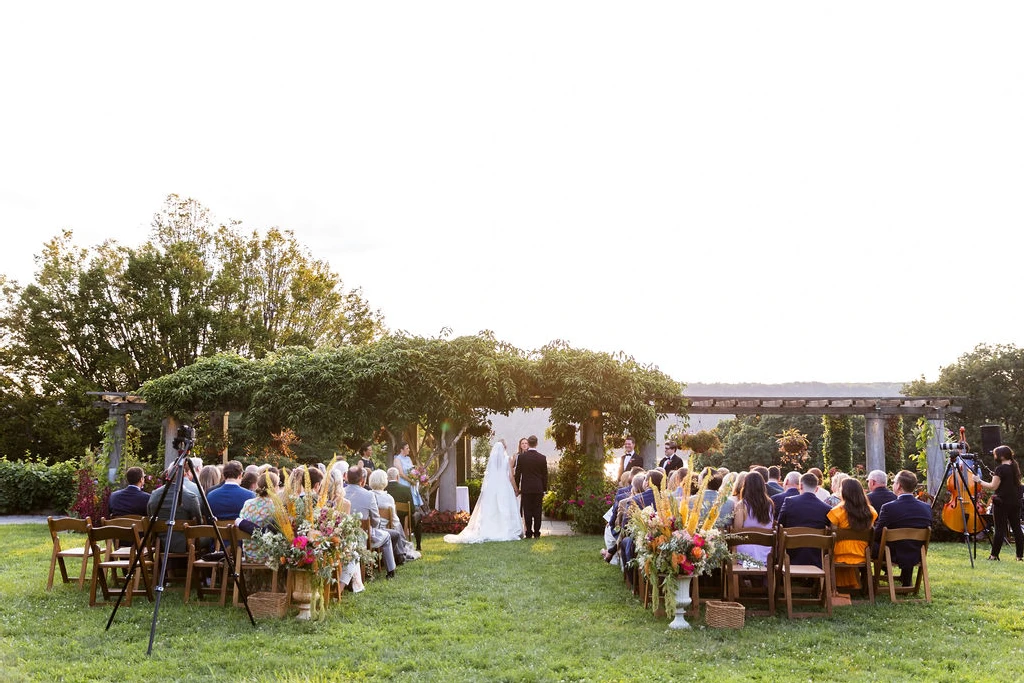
185	438
958	450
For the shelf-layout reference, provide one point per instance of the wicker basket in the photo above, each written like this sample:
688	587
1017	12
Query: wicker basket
720	614
268	605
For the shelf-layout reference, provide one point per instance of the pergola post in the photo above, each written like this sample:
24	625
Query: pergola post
874	441
449	476
170	428
120	432
936	459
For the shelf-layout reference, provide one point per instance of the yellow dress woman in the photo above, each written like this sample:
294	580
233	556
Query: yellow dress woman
853	512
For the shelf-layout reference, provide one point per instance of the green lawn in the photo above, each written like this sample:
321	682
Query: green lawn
544	610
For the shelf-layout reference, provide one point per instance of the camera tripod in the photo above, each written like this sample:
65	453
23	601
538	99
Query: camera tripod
963	491
174	484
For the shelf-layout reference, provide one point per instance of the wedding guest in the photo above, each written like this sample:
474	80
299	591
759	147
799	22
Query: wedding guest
792	488
1006	501
351	577
248	481
878	494
378	481
821	492
728	509
772	485
853	512
365	504
405	463
403	494
187	510
835	485
805	509
906	512
714	482
131	500
209	478
753	512
226	500
258	511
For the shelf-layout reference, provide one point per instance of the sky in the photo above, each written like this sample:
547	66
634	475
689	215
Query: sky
733	192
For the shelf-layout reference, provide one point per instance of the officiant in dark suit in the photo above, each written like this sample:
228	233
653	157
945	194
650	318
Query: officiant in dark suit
531	477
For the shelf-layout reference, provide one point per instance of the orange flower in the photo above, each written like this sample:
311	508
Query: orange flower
697	553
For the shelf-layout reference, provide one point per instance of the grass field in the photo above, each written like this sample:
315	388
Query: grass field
543	610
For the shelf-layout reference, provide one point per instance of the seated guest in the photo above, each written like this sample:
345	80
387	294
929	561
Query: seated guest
226	500
906	512
378	481
772	485
131	500
714	482
878	494
806	510
728	509
792	488
821	492
365	504
258	511
643	499
403	494
351	577
187	510
754	511
610	530
248	481
836	486
852	512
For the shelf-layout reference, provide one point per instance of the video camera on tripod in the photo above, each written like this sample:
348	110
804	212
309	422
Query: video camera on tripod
184	439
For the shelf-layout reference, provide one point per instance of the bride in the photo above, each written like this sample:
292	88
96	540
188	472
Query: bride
496	515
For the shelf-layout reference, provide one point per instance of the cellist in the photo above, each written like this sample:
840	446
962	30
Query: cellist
1006	501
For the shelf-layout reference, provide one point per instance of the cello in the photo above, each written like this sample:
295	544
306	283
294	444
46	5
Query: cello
960	513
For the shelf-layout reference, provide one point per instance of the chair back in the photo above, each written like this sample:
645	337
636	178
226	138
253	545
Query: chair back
59	524
893	535
752	537
817	541
365	524
388	514
863	535
404	512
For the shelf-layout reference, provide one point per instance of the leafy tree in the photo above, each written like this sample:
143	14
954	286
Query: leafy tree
990	380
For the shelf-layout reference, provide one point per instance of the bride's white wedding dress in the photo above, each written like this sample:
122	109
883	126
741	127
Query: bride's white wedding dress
496	515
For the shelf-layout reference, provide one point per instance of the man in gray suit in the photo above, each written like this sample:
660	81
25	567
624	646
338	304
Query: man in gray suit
364	502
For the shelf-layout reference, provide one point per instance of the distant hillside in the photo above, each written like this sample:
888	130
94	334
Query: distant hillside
523	423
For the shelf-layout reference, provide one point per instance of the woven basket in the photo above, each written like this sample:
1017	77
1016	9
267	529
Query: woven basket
720	614
268	605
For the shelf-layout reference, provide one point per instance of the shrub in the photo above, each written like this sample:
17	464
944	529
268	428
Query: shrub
436	522
474	491
30	486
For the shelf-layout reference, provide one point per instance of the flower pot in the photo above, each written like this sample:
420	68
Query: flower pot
682	602
302	592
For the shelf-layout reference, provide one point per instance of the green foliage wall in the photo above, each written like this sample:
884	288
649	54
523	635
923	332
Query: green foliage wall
837	444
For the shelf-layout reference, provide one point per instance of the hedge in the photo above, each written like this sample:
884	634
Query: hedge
28	487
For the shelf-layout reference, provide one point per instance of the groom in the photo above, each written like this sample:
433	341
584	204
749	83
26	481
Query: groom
532	480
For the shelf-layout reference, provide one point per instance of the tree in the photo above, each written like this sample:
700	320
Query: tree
837	449
111	317
990	380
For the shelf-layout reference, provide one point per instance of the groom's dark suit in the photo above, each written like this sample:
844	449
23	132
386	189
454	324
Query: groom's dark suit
532	479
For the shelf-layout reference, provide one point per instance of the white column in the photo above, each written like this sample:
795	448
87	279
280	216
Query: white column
936	459
874	441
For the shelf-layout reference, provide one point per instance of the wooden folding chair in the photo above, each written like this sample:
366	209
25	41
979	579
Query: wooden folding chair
158	539
237	538
736	575
389	515
787	571
128	536
404	512
194	537
64	525
866	536
884	562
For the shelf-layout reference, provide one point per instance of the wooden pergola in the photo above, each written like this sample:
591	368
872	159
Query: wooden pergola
876	410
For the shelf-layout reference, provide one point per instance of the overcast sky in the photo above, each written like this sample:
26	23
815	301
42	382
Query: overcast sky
741	191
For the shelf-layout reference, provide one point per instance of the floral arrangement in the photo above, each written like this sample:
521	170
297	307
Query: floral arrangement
673	539
437	522
312	534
